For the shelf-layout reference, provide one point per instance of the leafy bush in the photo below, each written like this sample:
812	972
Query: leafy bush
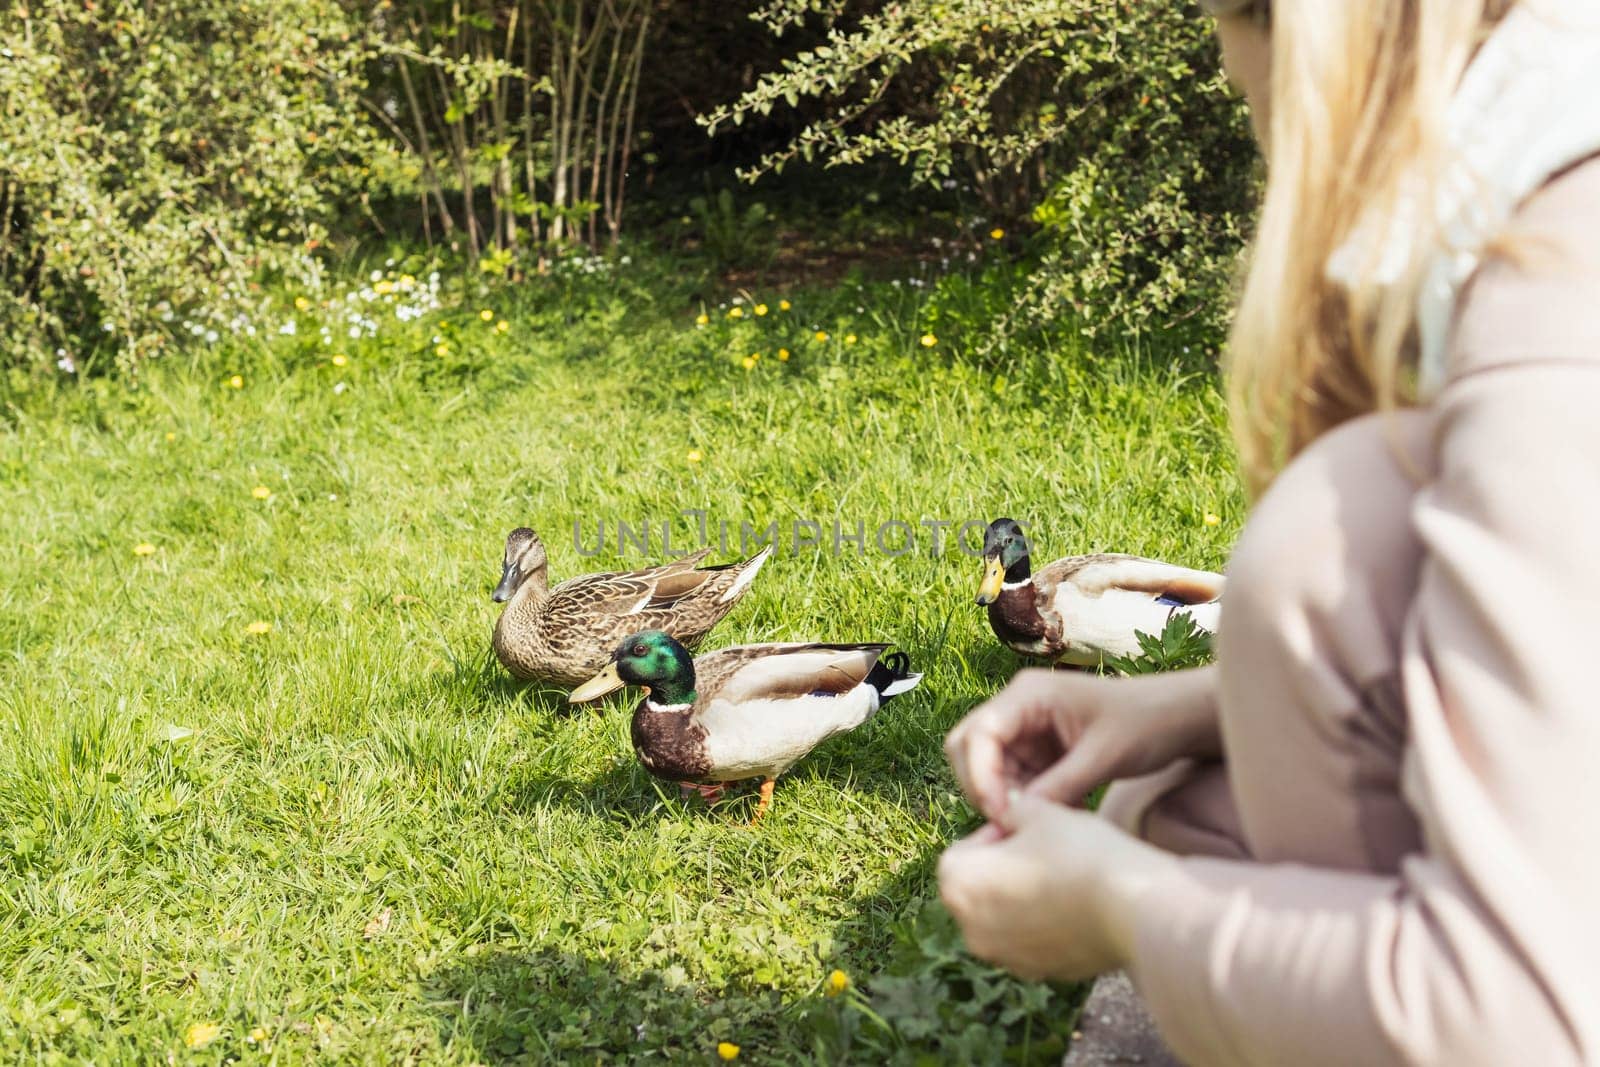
934	1003
1108	125
156	159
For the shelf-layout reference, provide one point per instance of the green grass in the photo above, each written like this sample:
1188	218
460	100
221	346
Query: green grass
373	845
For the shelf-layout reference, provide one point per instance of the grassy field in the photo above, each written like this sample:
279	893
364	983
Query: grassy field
266	795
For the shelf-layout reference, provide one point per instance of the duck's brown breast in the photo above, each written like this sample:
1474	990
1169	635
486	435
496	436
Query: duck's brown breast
670	744
1014	617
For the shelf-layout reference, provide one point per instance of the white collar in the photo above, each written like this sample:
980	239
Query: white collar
1525	110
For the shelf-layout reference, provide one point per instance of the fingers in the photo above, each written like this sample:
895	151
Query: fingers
1073	776
978	759
985	771
1025	809
977	747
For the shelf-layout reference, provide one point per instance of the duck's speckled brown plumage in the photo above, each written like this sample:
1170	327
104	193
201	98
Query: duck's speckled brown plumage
566	634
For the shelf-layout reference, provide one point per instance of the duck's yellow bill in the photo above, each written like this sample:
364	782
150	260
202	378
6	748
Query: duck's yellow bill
994	575
607	681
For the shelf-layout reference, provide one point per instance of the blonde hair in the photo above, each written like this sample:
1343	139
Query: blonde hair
1359	96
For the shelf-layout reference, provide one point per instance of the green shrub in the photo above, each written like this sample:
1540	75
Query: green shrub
156	159
1108	126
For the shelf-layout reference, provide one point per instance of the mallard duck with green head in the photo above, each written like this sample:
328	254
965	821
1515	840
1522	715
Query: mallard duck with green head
565	634
1081	609
751	711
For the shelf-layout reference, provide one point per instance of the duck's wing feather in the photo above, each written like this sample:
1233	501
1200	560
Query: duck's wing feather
631	592
1098	574
748	673
657	588
668	589
686	563
602	594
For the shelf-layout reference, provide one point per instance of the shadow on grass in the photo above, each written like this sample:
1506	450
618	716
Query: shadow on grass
558	1007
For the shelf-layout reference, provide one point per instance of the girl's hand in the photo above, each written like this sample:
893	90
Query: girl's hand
1058	734
1052	893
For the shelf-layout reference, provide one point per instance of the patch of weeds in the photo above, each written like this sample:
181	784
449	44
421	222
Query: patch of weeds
933	1003
1181	645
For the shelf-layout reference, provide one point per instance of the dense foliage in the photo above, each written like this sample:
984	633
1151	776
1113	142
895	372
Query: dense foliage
1108	125
158	159
158	163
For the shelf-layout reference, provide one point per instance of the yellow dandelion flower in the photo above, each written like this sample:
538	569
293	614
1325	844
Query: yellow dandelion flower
502	326
783	355
702	319
258	1036
261	492
407	281
928	340
736	313
1212	519
144	548
837	982
199	1035
997	233
849	338
784	305
486	315
383	288
441	349
695	456
339	360
821	335
257	628
171	436
301	303
761	309
236	382
749	362
727	1050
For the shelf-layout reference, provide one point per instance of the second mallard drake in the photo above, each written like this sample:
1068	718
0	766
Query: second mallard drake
565	634
1081	609
751	711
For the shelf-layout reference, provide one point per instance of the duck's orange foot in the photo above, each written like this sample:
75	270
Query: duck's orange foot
765	803
709	793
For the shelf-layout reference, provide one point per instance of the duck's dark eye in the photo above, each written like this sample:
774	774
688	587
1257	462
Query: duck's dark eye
638	650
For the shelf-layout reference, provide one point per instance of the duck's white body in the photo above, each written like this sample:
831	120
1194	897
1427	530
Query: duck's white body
1082	609
760	708
1103	611
749	736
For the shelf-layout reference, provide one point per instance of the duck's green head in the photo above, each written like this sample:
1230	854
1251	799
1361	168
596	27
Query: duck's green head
651	659
1005	558
524	559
